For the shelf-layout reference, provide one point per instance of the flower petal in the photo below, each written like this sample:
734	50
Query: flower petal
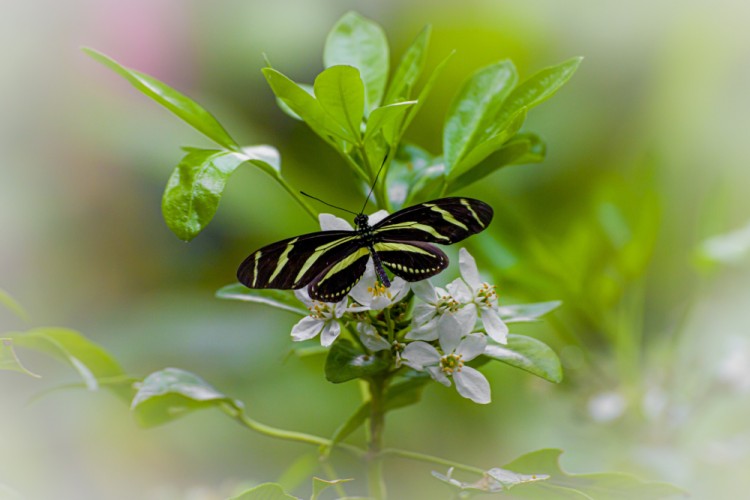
303	296
460	291
467	318
471	346
376	217
428	331
469	271
494	326
360	291
471	384
306	328
419	354
370	338
331	330
438	376
423	313
449	332
330	222
425	291
399	289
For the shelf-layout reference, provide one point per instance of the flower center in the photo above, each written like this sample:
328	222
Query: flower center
379	290
486	294
320	310
447	304
451	363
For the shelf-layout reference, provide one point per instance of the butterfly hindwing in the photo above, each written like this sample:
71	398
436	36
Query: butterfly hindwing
444	221
295	262
334	282
411	260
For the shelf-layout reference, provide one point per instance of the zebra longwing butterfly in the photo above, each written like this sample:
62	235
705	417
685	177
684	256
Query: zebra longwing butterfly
331	262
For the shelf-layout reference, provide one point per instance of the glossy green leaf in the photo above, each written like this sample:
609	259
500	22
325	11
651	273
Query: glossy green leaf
196	185
265	491
346	362
409	69
387	119
285	107
9	359
538	88
360	42
12	305
485	147
414	175
280	299
320	485
171	393
517	313
91	361
474	110
304	105
529	354
341	94
600	486
177	103
524	148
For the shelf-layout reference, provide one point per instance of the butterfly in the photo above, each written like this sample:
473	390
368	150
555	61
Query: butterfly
332	262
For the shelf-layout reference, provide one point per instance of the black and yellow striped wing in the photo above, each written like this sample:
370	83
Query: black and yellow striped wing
295	262
444	221
411	260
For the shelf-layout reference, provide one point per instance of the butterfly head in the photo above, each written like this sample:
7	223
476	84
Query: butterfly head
361	221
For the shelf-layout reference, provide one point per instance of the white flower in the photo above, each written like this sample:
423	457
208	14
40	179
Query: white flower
370	338
329	222
372	294
484	296
470	383
323	319
447	315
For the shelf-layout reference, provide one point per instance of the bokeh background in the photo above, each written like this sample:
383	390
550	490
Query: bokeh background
647	163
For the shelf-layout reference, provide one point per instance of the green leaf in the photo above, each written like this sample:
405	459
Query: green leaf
285	107
304	105
517	313
350	425
600	486
280	299
493	481
409	69
359	42
538	88
524	148
90	360
414	175
529	354
387	119
346	362
265	491
196	185
9	359
475	109
171	393
179	104
11	304
406	392
320	485
425	92
299	471
341	94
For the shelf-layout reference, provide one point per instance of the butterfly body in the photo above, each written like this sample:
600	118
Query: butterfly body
331	262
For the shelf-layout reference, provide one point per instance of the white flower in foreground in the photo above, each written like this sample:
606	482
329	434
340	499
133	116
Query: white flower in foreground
329	222
484	296
323	319
447	315
470	383
370	338
373	295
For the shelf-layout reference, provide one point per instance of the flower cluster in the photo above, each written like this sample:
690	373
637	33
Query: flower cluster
447	327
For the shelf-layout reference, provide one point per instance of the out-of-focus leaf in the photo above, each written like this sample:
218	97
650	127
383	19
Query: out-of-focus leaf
11	304
529	354
300	471
406	392
517	313
387	118
474	110
351	424
177	103
304	105
320	485
600	486
265	491
196	185
90	360
280	299
523	148
494	480
171	393
360	42
414	175
409	68
346	362
341	94
9	359
538	88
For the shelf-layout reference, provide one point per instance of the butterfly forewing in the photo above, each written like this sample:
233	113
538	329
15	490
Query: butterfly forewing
295	262
411	260
444	221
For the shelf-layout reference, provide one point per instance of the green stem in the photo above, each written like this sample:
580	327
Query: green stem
374	458
431	459
297	197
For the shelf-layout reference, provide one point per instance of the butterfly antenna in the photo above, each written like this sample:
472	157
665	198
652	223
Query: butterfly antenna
374	182
326	203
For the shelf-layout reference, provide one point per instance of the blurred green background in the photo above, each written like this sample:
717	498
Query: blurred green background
647	158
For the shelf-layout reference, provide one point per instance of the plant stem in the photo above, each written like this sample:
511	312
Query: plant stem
429	458
295	194
374	458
